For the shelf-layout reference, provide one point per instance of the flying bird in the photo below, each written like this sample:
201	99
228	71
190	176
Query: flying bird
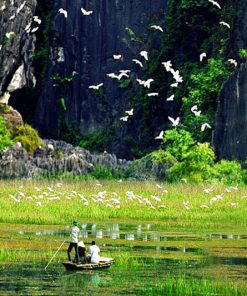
130	112
124	118
232	61
160	136
64	12
202	56
138	62
86	12
144	54
36	19
34	29
21	7
174	84
171	98
225	24
154	94
155	27
117	56
145	83
215	3
96	87
204	126
167	65
174	122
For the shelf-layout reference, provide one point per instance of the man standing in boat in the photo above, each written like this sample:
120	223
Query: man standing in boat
74	241
94	253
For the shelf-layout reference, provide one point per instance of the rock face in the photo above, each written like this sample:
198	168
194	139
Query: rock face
17	47
230	134
13	118
64	158
82	50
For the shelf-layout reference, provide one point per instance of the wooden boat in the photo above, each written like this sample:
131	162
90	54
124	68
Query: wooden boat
103	263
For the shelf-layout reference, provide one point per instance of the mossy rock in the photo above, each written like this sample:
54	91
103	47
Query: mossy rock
13	119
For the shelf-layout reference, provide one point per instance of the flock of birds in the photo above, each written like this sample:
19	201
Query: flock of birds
123	74
50	194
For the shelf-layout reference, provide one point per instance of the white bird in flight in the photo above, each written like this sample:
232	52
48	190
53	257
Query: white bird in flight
154	94
19	9
202	56
117	56
96	87
232	61
167	65
204	126
124	118
175	122
130	112
145	83
155	27
225	24
144	54
175	84
86	12
36	19
64	12
138	62
215	3
160	136
171	98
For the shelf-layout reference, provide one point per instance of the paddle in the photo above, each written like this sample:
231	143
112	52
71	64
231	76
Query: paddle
54	254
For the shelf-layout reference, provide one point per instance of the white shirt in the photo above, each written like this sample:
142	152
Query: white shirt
74	234
94	253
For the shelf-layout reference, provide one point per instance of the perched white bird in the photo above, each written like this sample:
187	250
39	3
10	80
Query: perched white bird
117	56
154	94
34	29
155	27
124	118
130	112
225	24
96	87
232	61
86	12
215	3
160	136
64	12
167	65
138	62
171	98
174	122
202	56
36	19
204	125
144	54
12	17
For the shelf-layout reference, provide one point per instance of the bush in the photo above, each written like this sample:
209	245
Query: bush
28	137
197	166
229	172
5	138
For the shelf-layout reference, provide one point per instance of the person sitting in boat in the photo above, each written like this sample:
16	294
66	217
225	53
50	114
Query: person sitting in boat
94	253
82	252
74	241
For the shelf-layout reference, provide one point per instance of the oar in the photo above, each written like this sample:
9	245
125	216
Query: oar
54	255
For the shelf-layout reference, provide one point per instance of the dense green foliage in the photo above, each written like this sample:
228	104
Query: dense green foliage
5	137
28	137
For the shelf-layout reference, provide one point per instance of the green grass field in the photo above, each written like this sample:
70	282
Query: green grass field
181	205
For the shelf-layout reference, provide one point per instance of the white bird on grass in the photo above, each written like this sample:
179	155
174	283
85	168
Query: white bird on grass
171	98
175	122
225	24
138	62
233	62
86	12
204	207
204	126
215	3
144	54
64	12
160	136
202	56
208	190
96	87
155	27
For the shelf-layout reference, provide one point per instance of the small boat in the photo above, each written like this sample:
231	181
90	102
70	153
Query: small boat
103	263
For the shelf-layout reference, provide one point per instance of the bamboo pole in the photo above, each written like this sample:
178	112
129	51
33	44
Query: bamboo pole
54	255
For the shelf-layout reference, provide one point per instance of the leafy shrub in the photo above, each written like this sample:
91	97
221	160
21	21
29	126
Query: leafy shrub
163	157
229	172
177	143
28	137
5	138
197	165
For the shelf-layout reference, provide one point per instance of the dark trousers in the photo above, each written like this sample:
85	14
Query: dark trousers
71	246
